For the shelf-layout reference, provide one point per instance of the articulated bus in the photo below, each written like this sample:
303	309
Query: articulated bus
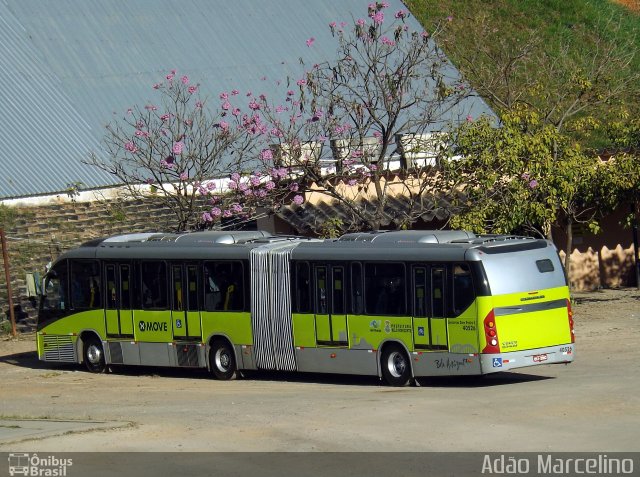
397	305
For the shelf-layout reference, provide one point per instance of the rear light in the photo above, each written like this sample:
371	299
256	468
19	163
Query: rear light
491	334
570	315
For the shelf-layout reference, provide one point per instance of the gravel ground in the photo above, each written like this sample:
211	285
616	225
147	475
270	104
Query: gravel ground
591	405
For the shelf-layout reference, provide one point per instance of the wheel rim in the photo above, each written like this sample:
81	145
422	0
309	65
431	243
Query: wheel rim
396	364
94	354
223	360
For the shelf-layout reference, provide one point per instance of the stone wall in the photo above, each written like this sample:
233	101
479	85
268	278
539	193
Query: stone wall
38	234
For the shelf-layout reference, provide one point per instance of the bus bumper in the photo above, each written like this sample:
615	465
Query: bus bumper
494	363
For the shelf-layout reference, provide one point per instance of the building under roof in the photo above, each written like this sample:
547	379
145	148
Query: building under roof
69	67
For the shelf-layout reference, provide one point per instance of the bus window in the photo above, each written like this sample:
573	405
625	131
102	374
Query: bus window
223	286
419	292
111	299
437	291
55	288
463	294
321	291
85	284
154	285
192	291
385	289
178	289
125	288
357	297
338	298
302	287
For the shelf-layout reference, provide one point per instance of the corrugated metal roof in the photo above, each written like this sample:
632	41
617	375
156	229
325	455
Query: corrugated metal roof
69	67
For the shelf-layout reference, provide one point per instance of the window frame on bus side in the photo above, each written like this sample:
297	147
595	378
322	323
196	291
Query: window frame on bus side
76	288
367	310
141	284
296	289
238	280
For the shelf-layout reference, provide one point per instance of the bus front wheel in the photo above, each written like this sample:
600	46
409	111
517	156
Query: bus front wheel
396	368
94	355
222	360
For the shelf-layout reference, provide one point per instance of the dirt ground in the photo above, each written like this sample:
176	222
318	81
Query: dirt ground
591	405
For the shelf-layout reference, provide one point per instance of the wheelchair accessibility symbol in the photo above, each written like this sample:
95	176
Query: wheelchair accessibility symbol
497	362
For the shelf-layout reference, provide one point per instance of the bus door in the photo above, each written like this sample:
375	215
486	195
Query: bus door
118	312
185	316
429	322
330	306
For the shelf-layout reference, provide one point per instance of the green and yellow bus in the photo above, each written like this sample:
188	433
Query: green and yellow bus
397	305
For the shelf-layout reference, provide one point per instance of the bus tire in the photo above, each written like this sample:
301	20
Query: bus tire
93	355
222	360
396	367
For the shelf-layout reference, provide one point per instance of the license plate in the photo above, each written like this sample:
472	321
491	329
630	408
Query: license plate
539	358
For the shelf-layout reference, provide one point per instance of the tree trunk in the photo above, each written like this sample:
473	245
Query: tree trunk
568	249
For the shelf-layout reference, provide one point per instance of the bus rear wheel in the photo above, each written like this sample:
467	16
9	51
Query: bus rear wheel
94	355
222	361
396	368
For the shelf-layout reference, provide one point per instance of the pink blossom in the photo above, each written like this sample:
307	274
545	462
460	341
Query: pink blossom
173	72
185	79
255	181
352	182
131	147
377	17
373	167
165	117
266	154
235	177
206	217
235	92
360	22
301	82
224	125
298	200
140	133
469	118
401	14
170	76
129	111
253	105
236	111
149	181
192	89
226	105
261	193
224	96
356	153
188	122
290	92
150	107
216	212
450	18
332	24
157	86
233	185
177	147
293	187
236	208
310	41
199	104
227	214
387	41
533	184
270	185
184	176
525	176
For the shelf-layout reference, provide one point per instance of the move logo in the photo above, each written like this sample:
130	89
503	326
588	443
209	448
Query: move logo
153	326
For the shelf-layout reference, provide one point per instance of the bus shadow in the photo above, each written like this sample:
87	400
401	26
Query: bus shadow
482	381
29	359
